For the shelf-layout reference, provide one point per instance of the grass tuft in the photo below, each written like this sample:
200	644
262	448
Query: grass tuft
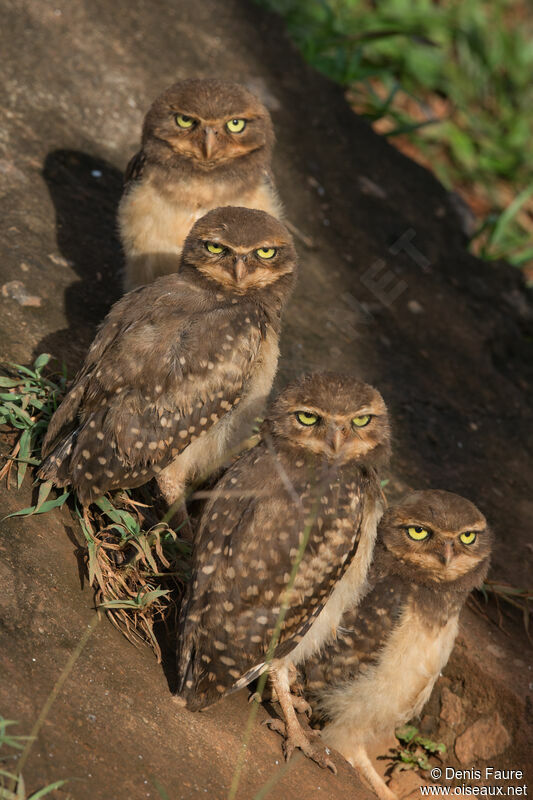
134	571
28	398
12	786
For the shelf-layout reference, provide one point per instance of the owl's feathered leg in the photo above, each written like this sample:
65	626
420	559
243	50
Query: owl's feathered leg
172	485
358	757
295	736
299	703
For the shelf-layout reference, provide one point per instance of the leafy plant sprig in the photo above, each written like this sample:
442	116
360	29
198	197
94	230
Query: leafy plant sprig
414	750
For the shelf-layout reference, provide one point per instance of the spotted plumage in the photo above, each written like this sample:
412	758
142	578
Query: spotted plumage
190	358
288	531
380	670
193	158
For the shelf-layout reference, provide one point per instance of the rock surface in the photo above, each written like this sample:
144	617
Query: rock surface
486	738
389	292
451	708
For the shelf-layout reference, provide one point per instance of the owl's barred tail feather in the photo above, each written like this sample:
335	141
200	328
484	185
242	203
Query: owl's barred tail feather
56	465
248	677
196	687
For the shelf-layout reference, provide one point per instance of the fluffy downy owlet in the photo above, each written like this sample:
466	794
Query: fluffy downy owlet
284	545
180	368
205	143
432	549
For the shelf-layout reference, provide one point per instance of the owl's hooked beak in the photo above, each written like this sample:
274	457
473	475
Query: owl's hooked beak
210	140
448	553
239	270
337	440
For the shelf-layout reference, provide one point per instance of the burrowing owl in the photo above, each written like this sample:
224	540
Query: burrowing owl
180	368
432	549
205	143
284	544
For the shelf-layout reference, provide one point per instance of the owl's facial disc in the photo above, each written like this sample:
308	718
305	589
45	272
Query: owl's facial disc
209	143
440	535
445	555
239	269
340	437
205	123
240	249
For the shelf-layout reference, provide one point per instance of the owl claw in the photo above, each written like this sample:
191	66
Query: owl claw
303	740
276	725
301	705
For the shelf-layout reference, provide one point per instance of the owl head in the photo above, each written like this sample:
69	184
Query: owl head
207	124
333	416
438	535
240	250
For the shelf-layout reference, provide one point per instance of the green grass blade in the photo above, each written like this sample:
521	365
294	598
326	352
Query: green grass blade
48	506
47	789
19	412
9	383
508	215
44	490
23	456
41	361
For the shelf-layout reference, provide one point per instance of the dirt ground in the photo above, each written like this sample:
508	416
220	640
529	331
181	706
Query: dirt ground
387	291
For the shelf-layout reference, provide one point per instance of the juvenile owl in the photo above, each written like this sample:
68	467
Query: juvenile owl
284	544
180	368
205	144
432	549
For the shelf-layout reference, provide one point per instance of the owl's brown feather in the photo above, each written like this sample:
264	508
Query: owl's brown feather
135	168
153	380
172	360
380	670
273	499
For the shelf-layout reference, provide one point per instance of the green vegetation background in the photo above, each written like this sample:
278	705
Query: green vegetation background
455	79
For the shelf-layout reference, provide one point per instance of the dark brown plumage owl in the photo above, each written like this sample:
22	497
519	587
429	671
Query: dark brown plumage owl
205	143
180	368
432	549
285	541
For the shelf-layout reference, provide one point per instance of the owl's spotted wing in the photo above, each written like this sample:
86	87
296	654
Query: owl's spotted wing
135	168
252	535
163	369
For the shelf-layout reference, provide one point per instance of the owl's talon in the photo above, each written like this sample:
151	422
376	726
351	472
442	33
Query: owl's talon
304	740
316	752
301	705
276	725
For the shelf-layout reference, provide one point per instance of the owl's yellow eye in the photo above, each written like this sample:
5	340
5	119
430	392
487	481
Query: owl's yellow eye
361	422
183	121
214	248
236	125
417	533
266	252
469	537
305	418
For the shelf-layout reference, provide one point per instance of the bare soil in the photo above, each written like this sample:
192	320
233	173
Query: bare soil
447	338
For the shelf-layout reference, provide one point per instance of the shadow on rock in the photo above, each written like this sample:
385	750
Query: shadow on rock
85	191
